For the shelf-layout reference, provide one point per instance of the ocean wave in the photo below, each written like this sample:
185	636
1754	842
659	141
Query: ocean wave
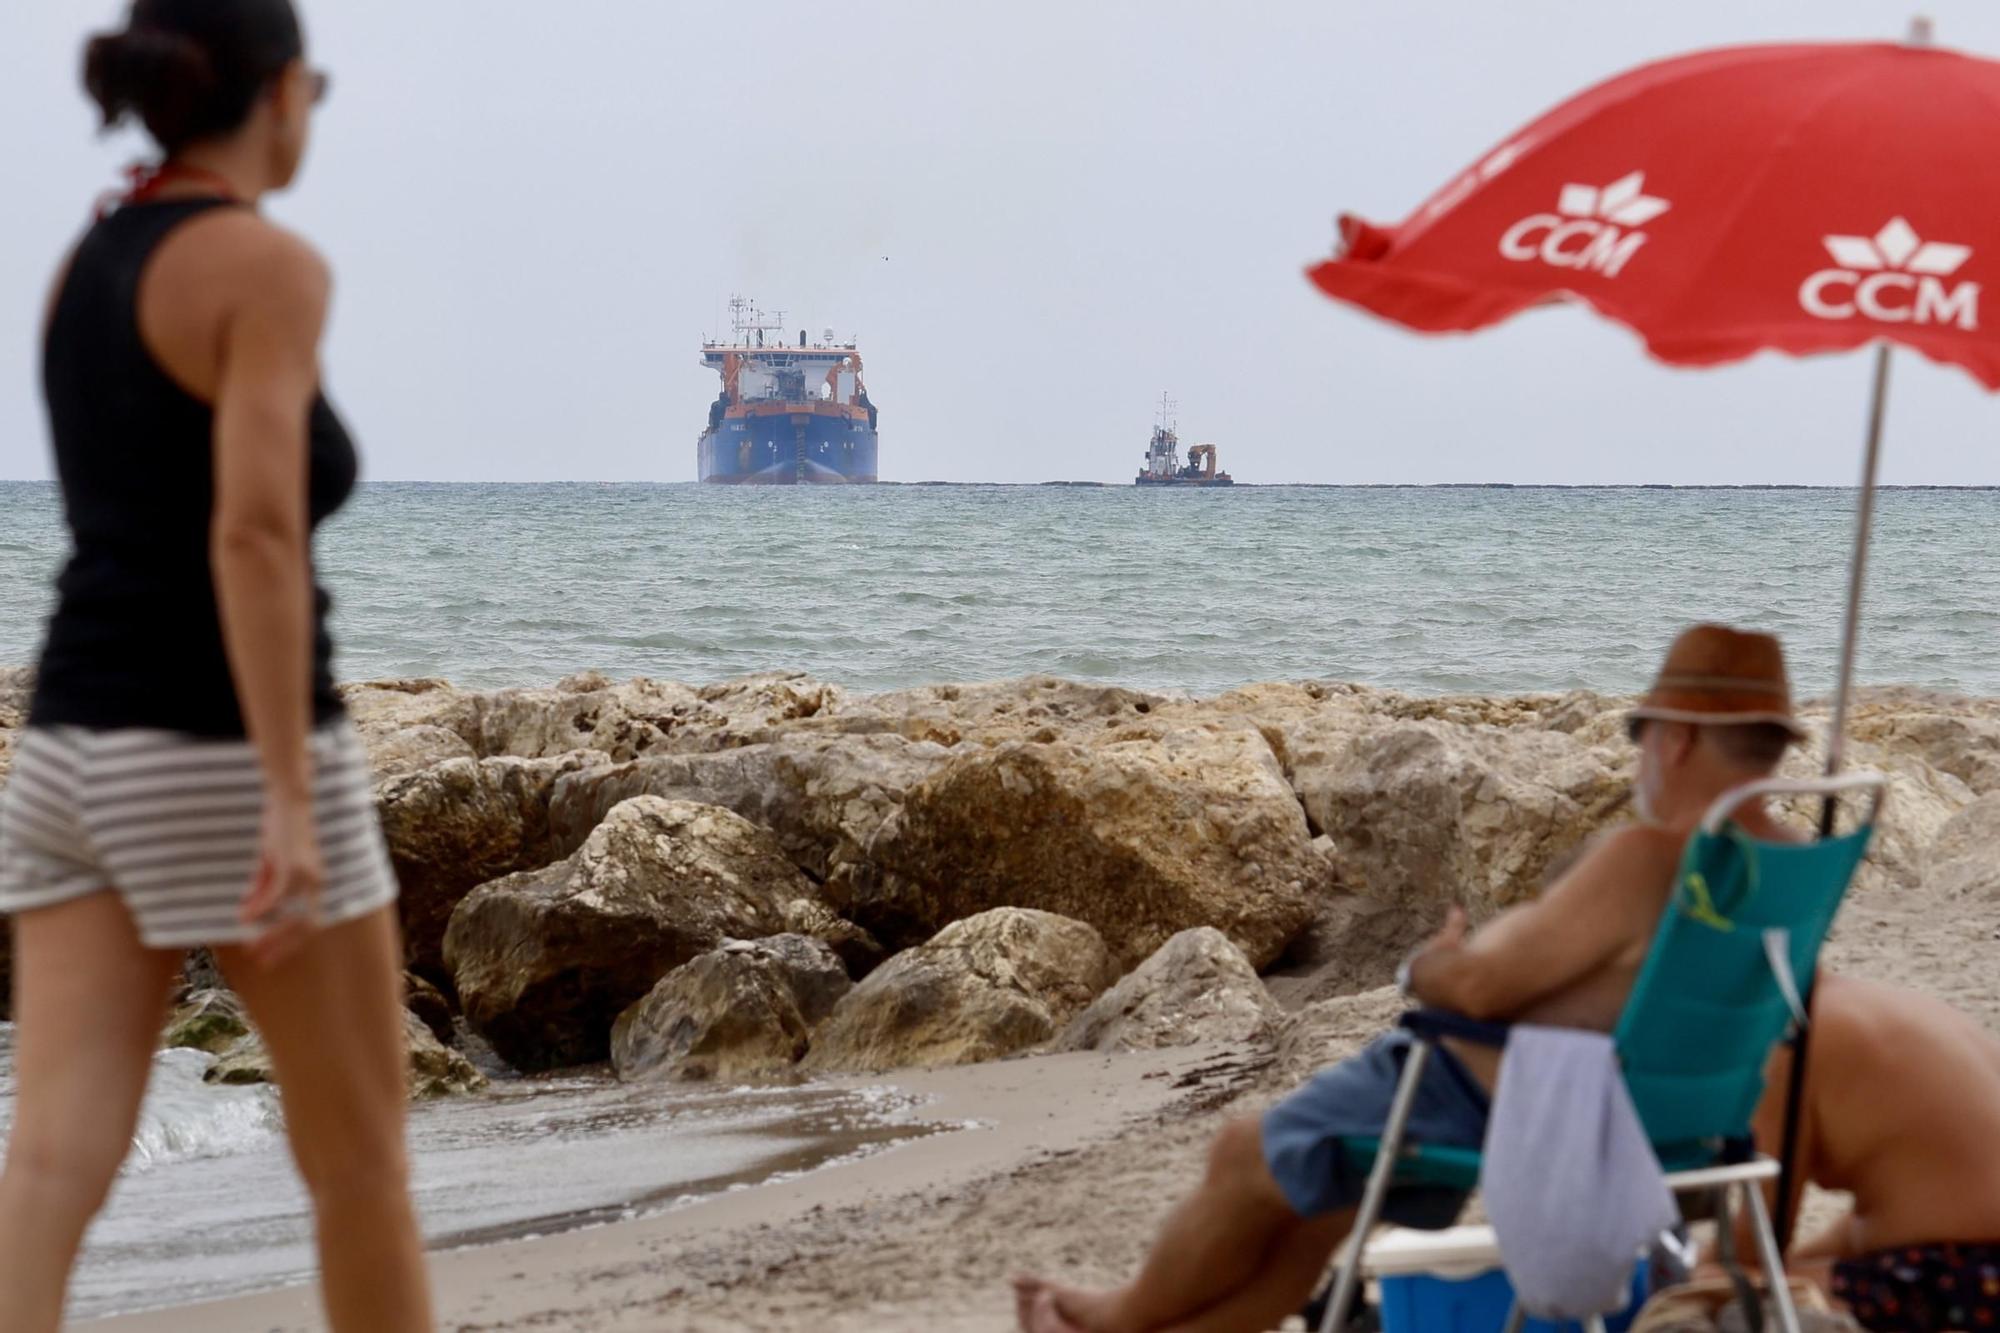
185	1118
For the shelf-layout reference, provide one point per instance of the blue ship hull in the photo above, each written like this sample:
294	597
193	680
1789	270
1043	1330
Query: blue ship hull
787	449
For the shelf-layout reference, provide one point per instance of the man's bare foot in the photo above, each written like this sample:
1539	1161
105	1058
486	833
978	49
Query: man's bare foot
1084	1311
1044	1316
1027	1290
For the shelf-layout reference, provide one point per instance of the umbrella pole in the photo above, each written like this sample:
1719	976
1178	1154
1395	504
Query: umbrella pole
1857	575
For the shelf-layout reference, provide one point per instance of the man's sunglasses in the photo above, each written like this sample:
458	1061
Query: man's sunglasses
319	83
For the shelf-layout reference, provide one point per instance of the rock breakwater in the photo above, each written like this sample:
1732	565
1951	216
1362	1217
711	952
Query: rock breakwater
963	872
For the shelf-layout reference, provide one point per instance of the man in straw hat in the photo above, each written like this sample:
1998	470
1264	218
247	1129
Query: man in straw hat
1247	1248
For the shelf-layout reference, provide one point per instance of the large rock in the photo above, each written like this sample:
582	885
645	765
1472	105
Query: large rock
435	1069
1143	834
859	952
633	718
392	754
208	1020
1922	802
1326	1033
1197	987
988	986
1429	812
823	797
1948	732
428	1003
1029	708
545	960
741	1011
1961	861
455	825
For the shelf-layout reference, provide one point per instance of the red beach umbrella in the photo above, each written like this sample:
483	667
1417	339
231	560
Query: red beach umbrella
1798	198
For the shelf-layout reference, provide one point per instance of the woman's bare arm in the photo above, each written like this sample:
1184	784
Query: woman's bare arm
268	375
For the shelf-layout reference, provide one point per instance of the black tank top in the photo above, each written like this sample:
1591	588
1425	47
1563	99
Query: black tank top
136	640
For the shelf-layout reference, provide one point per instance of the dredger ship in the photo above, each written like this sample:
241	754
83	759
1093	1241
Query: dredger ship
1163	457
788	414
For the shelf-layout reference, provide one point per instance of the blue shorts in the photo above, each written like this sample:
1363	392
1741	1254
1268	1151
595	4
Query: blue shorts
1304	1134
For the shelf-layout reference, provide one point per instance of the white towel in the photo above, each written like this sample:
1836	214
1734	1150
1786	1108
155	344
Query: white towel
1573	1188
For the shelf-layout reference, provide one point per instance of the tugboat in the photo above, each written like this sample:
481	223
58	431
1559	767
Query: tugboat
788	415
1163	462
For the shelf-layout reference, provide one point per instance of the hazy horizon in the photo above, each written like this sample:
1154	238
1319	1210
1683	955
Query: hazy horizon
1035	220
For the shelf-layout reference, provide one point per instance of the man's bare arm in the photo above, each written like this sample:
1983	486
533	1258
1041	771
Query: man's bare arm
1579	925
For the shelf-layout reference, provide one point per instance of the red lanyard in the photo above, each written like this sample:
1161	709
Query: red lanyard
146	181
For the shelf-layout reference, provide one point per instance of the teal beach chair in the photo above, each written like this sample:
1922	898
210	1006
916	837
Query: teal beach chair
1731	961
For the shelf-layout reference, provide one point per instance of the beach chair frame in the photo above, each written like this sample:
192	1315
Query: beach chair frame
1735	1170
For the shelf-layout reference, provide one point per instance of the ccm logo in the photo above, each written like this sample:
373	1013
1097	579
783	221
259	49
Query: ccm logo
1592	228
1892	277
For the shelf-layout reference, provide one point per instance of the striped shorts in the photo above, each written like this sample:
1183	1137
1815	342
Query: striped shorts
172	823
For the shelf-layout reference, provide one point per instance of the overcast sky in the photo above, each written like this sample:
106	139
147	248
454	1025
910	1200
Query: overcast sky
1036	216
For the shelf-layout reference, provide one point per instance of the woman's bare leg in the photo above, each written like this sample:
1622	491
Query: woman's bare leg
89	1003
331	1016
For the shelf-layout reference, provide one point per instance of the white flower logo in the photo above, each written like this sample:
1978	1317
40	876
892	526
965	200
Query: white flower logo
1593	229
1624	201
1897	246
1892	277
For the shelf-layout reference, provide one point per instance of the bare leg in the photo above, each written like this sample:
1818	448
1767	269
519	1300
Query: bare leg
1282	1287
89	1003
1220	1240
331	1017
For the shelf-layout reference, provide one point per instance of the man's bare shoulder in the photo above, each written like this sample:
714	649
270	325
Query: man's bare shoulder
1628	851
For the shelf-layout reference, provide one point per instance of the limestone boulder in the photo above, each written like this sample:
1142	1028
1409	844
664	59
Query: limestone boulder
624	720
428	1003
1326	1033
1428	812
633	718
17	685
199	971
823	797
436	1070
1953	733
546	959
208	1020
1041	708
1922	801
455	825
1143	833
389	705
392	754
1963	861
987	986
1196	987
859	952
744	1010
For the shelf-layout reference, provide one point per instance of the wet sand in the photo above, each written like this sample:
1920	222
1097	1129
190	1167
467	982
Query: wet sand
891	1240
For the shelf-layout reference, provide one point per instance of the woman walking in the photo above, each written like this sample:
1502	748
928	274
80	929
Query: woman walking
187	776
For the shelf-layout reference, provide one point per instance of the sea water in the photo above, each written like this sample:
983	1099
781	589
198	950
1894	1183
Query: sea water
1429	589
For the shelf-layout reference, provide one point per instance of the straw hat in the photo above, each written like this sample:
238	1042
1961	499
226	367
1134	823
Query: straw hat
1715	675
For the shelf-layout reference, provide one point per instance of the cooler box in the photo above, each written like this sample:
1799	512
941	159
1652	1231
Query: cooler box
1451	1282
